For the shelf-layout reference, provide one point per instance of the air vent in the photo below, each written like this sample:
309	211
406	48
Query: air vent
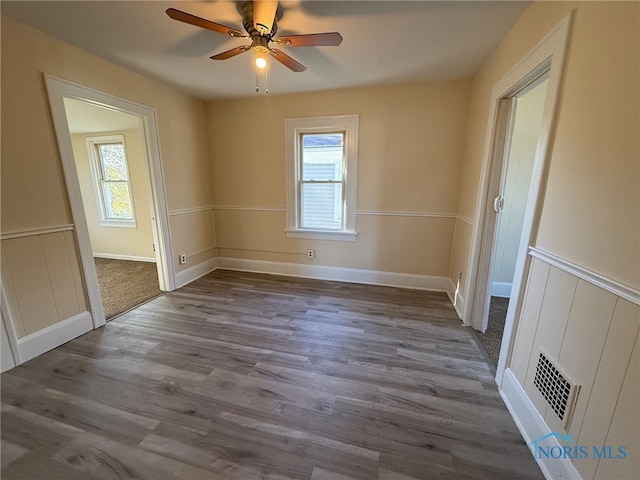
559	392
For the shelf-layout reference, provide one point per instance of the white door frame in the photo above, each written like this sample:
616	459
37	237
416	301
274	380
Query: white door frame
496	182
58	89
549	54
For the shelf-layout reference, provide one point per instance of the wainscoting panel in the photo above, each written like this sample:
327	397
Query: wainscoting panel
591	332
41	279
416	243
193	234
27	271
624	427
61	278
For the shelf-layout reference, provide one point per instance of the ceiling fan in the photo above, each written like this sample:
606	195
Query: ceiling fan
260	23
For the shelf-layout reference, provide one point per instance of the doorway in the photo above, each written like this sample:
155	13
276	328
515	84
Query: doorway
141	128
525	109
546	58
111	162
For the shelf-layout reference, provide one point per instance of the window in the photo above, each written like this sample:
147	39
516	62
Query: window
111	180
321	177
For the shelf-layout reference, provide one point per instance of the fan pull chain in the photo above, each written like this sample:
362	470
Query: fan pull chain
266	79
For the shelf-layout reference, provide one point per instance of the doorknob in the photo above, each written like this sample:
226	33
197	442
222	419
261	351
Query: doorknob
498	204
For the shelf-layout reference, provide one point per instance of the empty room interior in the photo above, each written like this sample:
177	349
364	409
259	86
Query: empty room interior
320	240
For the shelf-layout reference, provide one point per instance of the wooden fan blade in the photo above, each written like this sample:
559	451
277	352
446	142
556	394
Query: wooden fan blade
264	11
203	23
331	39
231	53
287	61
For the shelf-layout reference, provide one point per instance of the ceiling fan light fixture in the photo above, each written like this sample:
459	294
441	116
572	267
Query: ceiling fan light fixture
261	62
259	19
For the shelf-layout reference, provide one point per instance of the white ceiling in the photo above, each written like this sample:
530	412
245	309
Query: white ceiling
85	117
385	42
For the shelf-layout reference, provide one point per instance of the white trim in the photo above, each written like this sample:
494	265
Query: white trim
58	89
339	235
54	335
405	214
117	256
97	175
501	289
379	213
249	209
36	231
465	219
8	360
118	223
294	128
9	324
623	291
184	211
351	275
456	299
187	276
532	426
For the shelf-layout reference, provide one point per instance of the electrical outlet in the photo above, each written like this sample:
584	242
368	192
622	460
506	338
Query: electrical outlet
459	275
183	258
311	253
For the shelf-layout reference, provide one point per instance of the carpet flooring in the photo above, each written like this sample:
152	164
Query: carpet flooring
125	284
492	338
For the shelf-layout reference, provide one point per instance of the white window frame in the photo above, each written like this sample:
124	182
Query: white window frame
294	129
96	171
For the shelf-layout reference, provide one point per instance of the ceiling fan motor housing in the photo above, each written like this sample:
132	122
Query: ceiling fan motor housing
259	19
247	22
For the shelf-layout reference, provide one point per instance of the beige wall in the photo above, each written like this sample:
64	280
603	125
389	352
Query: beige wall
118	241
408	161
589	218
594	169
33	193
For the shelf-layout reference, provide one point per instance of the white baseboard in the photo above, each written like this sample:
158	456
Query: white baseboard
351	275
456	299
532	426
114	256
501	289
54	335
193	273
7	360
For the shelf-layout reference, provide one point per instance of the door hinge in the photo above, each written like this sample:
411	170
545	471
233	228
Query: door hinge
154	246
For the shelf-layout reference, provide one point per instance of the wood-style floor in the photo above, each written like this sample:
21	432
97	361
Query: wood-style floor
245	376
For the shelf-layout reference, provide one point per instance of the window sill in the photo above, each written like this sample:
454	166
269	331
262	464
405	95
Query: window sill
115	223
342	236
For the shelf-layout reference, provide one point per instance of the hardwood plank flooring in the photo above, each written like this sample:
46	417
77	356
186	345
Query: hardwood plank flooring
247	376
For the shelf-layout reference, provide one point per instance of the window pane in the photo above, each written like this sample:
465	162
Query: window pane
322	155
114	161
117	201
321	206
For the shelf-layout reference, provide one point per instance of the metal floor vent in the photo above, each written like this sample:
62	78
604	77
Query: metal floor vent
556	388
